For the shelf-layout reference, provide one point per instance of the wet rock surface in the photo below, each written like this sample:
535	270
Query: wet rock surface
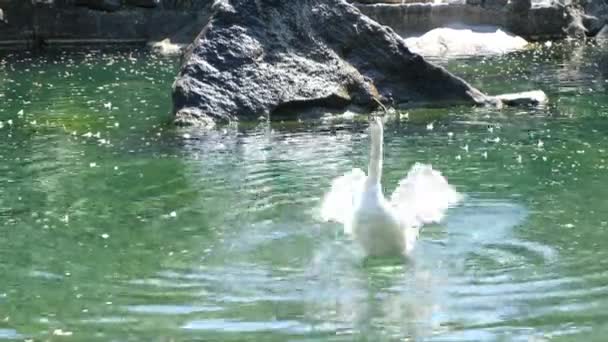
256	58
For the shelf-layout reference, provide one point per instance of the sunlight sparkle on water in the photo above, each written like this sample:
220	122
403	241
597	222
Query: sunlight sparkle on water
219	235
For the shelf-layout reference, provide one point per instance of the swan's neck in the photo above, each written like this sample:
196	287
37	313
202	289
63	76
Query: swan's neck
374	173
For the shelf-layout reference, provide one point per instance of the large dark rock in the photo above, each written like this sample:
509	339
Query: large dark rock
266	56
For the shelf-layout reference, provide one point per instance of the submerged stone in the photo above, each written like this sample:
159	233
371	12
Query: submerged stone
256	58
526	98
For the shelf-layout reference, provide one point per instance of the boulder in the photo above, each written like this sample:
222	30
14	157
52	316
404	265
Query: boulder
256	58
465	41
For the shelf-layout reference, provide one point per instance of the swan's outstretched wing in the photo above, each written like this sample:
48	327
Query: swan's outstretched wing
338	204
423	196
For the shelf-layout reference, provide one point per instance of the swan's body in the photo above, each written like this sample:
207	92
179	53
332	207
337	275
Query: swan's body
384	227
374	223
376	226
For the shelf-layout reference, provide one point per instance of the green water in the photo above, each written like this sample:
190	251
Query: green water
114	226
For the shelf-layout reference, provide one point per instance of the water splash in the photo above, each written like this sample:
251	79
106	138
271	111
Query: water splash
422	197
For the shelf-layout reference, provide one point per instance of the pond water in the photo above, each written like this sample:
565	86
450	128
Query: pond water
115	226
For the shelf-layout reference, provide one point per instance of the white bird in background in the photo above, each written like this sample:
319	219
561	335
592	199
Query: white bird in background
380	226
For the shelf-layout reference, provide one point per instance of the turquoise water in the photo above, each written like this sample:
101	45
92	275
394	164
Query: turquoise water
115	226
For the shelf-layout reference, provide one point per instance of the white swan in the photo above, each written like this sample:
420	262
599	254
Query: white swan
383	227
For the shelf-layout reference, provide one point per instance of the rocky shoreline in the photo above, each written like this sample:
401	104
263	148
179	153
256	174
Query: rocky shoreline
246	59
265	58
28	24
37	23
